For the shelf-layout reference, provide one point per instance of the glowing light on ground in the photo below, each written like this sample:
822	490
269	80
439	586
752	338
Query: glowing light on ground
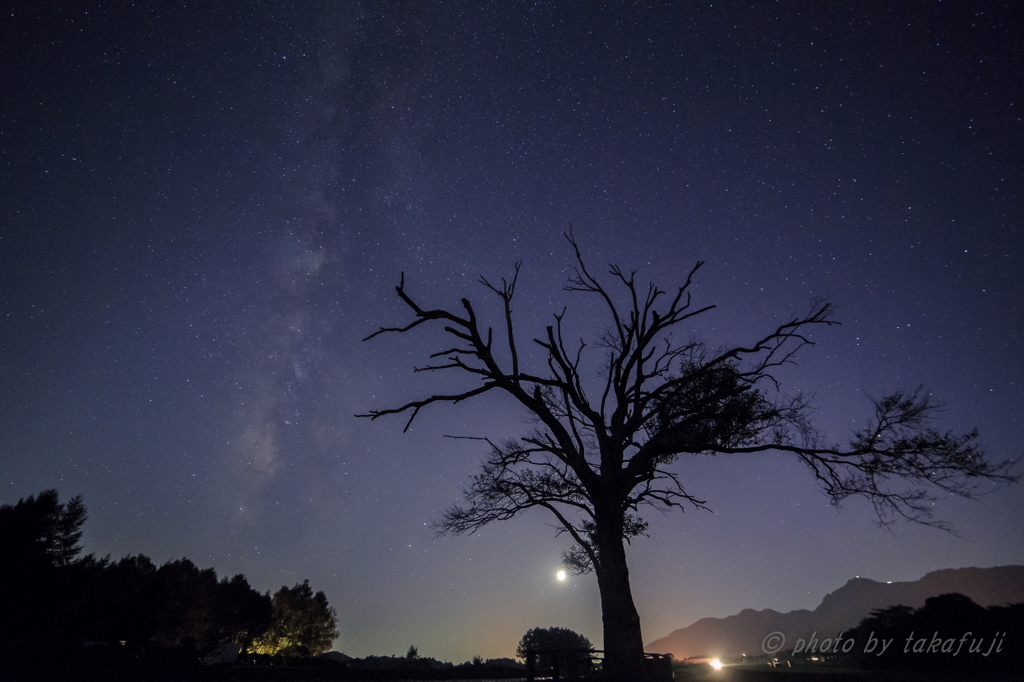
716	664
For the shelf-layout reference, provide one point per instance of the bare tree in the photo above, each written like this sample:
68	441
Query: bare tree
596	462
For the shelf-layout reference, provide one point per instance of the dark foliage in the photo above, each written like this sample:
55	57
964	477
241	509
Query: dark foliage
59	601
950	632
551	650
303	623
39	540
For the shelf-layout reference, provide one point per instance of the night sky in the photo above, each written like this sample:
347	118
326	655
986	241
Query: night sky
204	207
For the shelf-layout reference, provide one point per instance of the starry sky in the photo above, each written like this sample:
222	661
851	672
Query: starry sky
204	207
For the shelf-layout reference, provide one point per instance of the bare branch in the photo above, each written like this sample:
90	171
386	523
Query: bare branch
416	405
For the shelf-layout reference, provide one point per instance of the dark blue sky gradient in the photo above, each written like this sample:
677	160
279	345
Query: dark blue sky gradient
204	208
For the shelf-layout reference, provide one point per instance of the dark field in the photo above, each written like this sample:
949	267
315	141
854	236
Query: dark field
831	673
53	671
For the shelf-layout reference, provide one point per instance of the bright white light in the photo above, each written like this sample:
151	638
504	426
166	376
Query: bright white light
716	664
560	575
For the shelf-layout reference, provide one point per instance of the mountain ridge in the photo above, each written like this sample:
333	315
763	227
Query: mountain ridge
839	610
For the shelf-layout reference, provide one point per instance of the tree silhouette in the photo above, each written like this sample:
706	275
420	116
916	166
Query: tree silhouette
950	632
244	612
185	605
124	601
596	458
303	623
41	527
54	595
552	646
39	539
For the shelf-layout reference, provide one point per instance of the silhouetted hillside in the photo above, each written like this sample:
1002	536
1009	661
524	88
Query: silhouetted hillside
839	610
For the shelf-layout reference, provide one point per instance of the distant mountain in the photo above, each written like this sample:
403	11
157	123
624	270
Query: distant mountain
840	610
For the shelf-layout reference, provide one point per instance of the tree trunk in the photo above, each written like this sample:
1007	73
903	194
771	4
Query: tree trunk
623	642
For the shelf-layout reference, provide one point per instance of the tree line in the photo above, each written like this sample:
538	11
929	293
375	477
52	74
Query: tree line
55	597
950	632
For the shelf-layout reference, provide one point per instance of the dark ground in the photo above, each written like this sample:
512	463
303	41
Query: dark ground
41	667
829	673
45	673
